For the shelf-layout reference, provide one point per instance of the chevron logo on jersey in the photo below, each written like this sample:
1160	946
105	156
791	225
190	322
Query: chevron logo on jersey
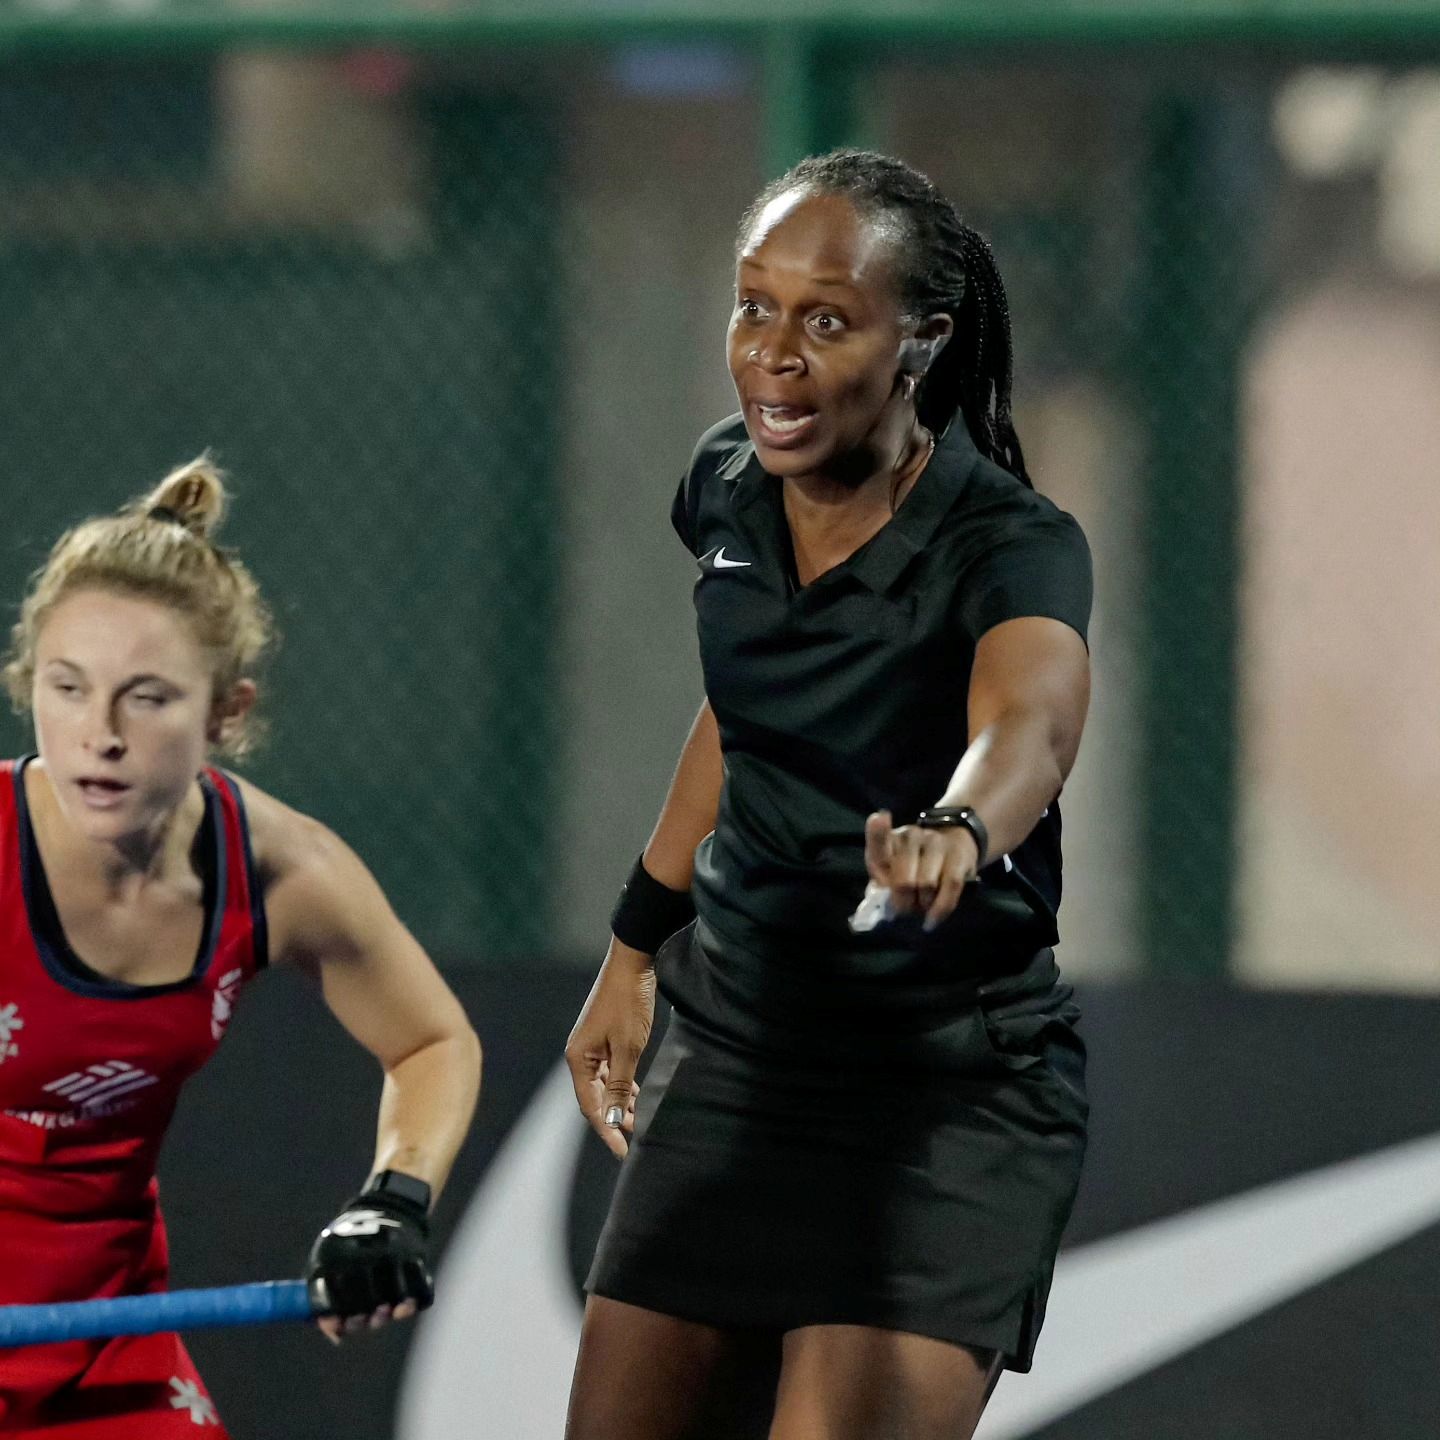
101	1089
93	1093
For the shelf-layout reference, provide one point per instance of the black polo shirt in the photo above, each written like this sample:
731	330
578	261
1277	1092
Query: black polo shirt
848	695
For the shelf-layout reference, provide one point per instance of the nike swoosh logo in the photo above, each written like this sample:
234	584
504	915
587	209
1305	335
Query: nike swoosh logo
506	1277
721	563
1118	1308
1129	1303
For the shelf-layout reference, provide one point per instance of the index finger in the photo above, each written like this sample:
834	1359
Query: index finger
878	846
589	1071
947	897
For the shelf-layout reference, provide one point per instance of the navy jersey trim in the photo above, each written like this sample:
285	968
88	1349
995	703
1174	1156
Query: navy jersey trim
61	962
259	926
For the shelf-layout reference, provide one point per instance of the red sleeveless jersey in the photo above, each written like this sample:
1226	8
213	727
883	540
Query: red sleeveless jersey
91	1068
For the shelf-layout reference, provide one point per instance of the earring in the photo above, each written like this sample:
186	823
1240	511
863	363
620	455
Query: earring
912	384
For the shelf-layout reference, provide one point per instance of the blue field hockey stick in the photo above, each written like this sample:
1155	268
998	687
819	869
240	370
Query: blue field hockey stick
225	1305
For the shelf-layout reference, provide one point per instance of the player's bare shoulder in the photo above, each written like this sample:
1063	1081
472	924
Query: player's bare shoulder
282	839
307	872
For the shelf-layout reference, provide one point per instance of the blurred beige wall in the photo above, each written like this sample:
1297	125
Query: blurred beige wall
1341	829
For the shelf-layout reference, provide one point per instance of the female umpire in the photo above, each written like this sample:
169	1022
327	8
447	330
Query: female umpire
864	1142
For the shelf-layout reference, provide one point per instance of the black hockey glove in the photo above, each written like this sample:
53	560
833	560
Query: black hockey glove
373	1253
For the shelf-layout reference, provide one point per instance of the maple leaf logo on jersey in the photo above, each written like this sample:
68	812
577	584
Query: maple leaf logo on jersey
10	1022
226	988
189	1396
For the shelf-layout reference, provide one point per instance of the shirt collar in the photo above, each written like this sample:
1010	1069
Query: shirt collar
879	563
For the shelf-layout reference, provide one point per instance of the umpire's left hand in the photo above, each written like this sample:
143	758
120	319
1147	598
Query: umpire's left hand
369	1265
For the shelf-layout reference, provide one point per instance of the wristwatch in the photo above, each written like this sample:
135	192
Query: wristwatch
958	817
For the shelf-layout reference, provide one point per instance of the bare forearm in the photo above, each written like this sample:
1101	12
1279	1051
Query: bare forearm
1009	774
688	814
1029	689
425	1108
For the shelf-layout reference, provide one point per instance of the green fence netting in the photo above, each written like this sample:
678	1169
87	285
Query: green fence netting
393	475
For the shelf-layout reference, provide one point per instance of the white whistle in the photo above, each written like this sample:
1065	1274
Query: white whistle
875	908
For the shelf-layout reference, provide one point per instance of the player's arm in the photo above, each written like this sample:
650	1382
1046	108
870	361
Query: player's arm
614	1027
1029	692
328	917
688	814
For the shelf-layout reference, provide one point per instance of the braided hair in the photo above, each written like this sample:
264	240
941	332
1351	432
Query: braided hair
943	266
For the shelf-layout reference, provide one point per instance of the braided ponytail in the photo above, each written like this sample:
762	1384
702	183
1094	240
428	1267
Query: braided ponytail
978	379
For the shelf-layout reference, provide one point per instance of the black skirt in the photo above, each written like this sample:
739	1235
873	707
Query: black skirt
916	1182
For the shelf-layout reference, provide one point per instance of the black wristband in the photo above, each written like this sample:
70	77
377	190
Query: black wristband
958	817
648	913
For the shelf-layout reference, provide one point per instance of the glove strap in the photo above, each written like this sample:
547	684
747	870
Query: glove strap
402	1195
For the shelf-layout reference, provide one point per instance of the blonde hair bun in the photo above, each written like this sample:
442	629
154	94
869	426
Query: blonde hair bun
158	547
193	495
